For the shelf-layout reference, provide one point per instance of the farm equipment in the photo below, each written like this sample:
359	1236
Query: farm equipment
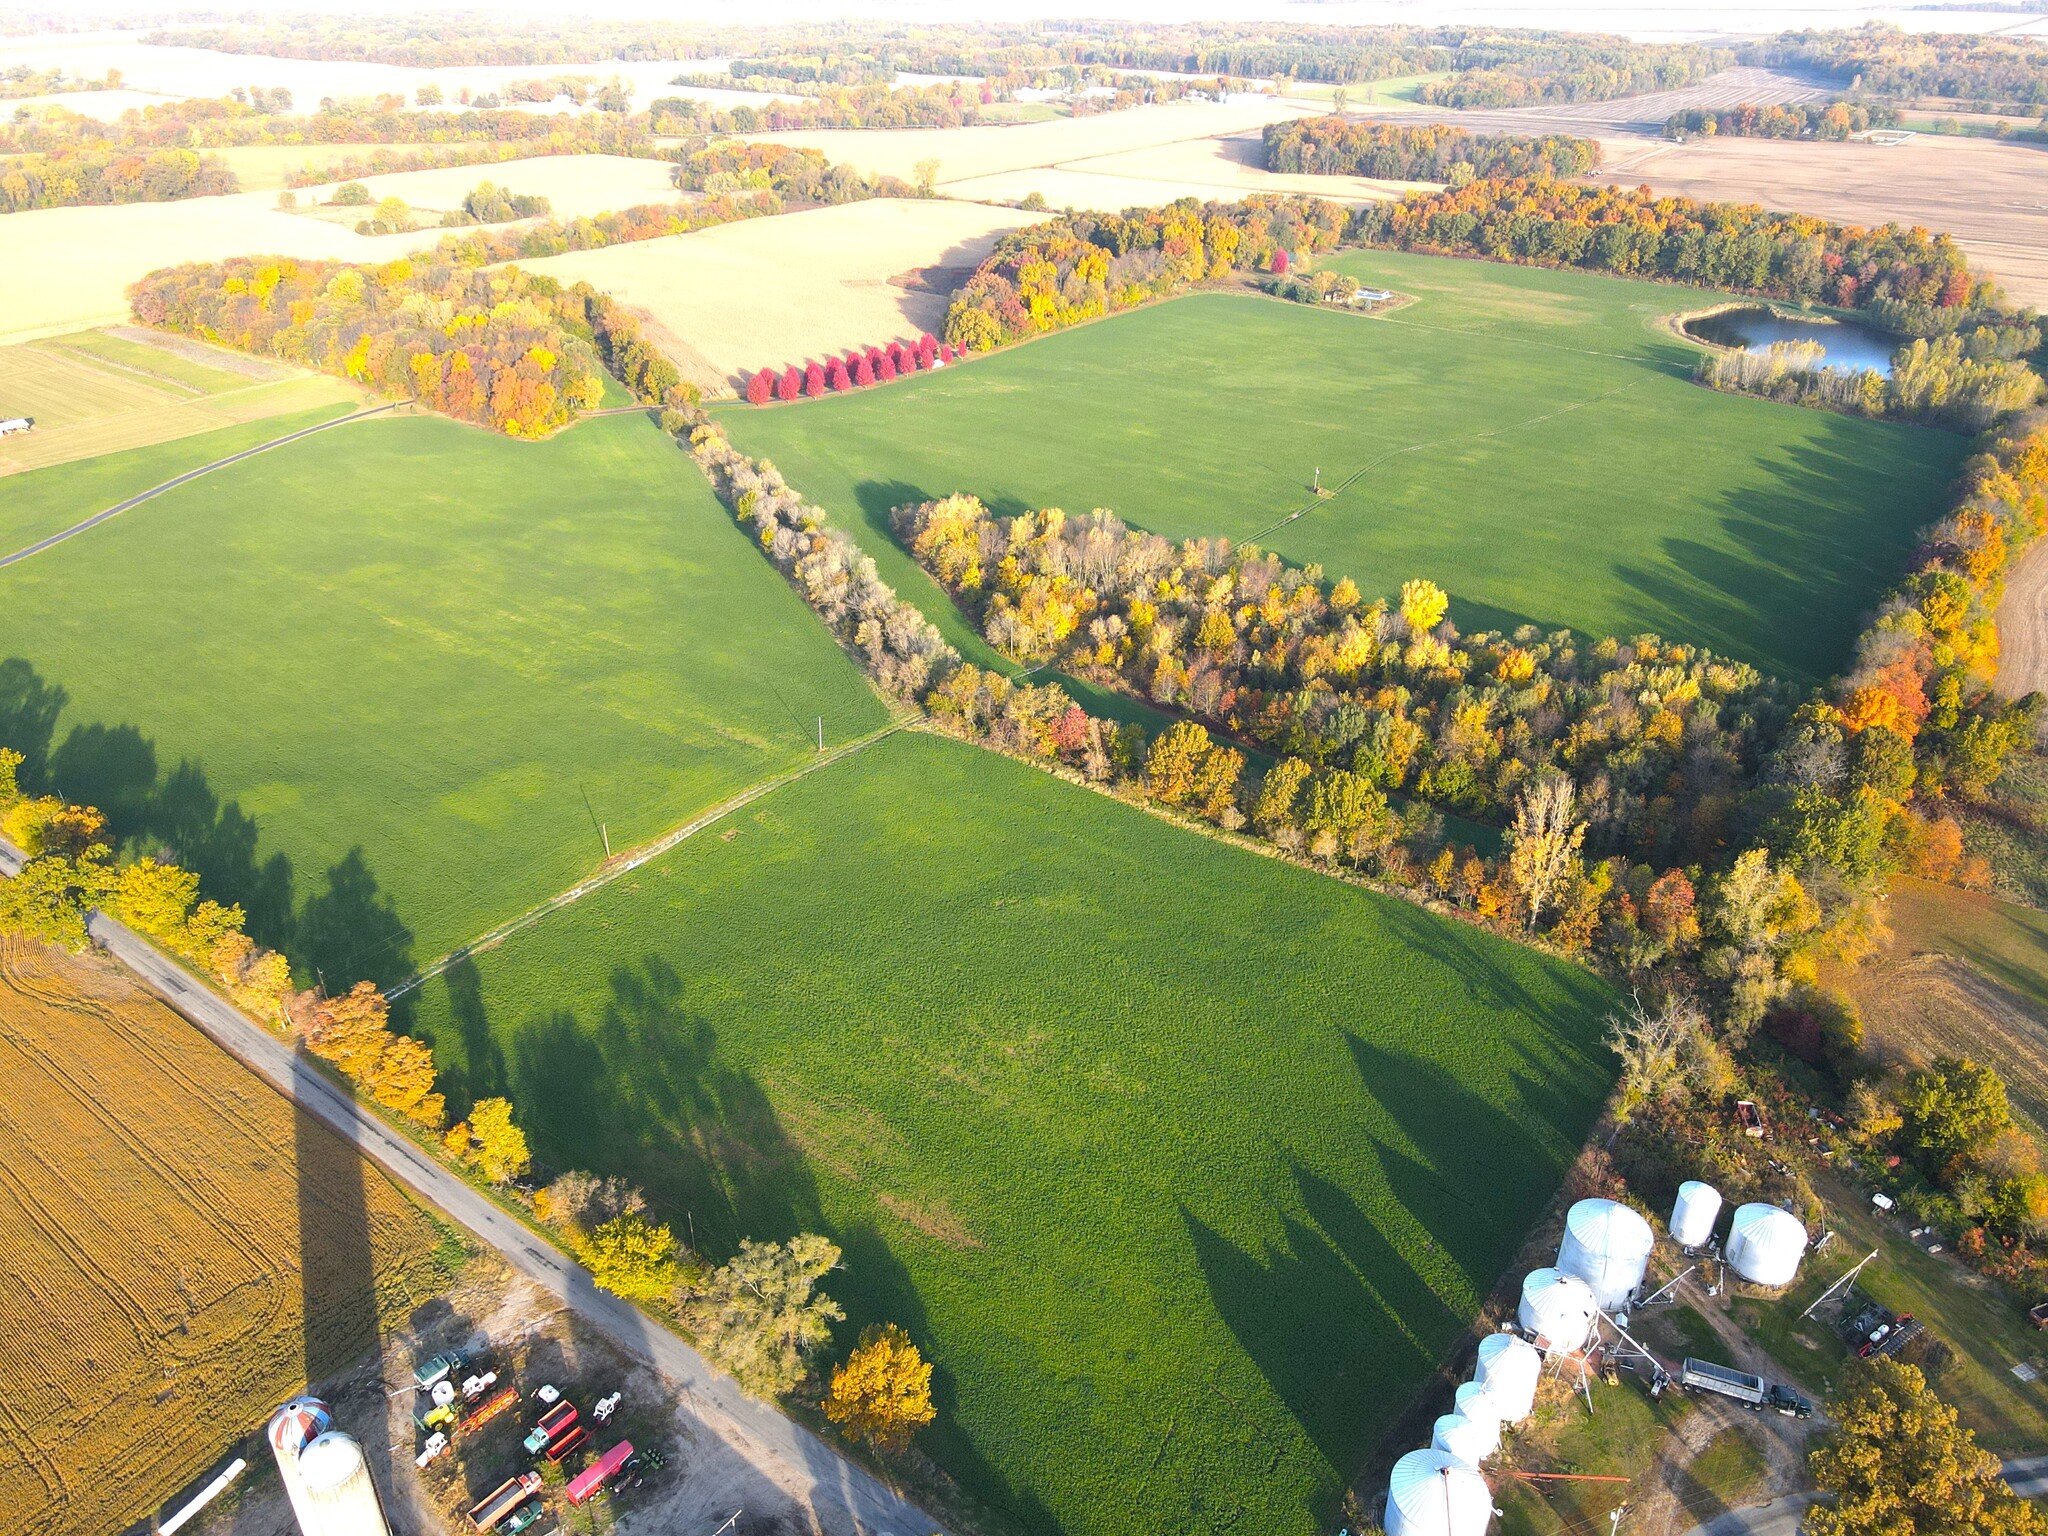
606	1407
436	1411
549	1427
476	1386
1875	1331
489	1410
586	1483
573	1441
436	1444
428	1373
495	1507
1758	1394
524	1518
1750	1118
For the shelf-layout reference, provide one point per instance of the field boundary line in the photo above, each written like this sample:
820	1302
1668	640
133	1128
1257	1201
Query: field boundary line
1438	442
191	474
632	859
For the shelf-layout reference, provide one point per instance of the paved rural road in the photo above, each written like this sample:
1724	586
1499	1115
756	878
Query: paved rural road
2027	1474
846	1498
191	474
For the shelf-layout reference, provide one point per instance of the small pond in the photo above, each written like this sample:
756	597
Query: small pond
1848	344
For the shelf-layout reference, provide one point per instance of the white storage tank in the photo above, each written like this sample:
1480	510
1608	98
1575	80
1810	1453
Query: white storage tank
1509	1368
338	1489
1466	1441
1557	1311
1607	1245
1429	1494
1477	1404
1694	1213
1765	1244
291	1429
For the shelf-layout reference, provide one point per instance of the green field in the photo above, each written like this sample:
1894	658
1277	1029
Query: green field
412	669
1529	439
1183	1164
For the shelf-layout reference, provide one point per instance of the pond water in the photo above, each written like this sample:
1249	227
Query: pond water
1848	344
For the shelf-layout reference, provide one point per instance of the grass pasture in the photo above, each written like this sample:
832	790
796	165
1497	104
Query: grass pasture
182	1249
1529	439
1183	1164
386	685
92	393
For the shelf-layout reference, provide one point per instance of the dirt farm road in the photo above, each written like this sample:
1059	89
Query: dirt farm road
843	1499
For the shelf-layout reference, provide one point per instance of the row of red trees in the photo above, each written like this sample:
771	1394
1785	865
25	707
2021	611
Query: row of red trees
856	370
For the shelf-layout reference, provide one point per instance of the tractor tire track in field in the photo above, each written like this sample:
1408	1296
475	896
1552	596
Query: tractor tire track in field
632	859
1436	442
191	474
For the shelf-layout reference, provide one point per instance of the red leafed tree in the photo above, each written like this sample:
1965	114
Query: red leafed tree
946	353
841	380
1280	262
888	369
864	375
906	360
927	349
874	358
895	354
814	381
792	383
761	387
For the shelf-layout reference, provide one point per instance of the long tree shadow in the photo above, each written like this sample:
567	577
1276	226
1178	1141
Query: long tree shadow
29	708
350	932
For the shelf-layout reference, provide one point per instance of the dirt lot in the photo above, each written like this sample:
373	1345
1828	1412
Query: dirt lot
66	269
171	1227
769	292
1993	197
2023	626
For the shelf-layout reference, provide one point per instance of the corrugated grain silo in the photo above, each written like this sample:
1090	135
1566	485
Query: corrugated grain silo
1430	1494
291	1429
339	1490
1466	1441
1557	1311
1509	1368
1694	1213
1765	1244
1607	1245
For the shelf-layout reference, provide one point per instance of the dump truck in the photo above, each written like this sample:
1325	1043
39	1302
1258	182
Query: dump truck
1705	1376
493	1507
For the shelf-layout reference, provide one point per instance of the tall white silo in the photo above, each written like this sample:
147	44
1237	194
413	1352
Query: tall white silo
1509	1368
1466	1441
338	1488
1607	1245
1429	1494
1765	1244
291	1429
1557	1311
1477	1404
1694	1213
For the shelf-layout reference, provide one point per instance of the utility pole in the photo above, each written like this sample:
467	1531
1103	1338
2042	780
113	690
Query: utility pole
821	733
604	831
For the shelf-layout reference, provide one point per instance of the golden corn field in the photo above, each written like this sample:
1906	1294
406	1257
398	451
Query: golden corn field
154	1278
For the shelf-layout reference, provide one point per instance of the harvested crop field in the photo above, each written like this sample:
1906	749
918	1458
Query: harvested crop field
67	269
1993	197
1182	1164
963	153
91	393
171	1226
1218	169
1967	976
770	292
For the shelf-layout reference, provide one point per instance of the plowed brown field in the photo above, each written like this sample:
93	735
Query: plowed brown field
166	1218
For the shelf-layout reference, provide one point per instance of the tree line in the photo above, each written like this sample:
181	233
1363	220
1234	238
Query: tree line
500	348
1965	383
1527	72
1634	232
1832	120
1987	68
858	369
878	105
1342	146
1078	266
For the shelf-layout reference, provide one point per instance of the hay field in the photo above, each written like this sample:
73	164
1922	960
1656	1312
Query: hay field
104	106
68	269
768	292
1993	197
965	153
575	184
171	1223
1210	169
92	393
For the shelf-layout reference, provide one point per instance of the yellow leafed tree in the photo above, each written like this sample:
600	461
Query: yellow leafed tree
883	1393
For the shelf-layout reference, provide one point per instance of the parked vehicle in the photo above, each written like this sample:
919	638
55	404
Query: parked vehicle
1705	1376
496	1506
440	1368
550	1427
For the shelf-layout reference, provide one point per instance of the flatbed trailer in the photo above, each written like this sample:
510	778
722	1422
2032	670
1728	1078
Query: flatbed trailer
1758	1394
